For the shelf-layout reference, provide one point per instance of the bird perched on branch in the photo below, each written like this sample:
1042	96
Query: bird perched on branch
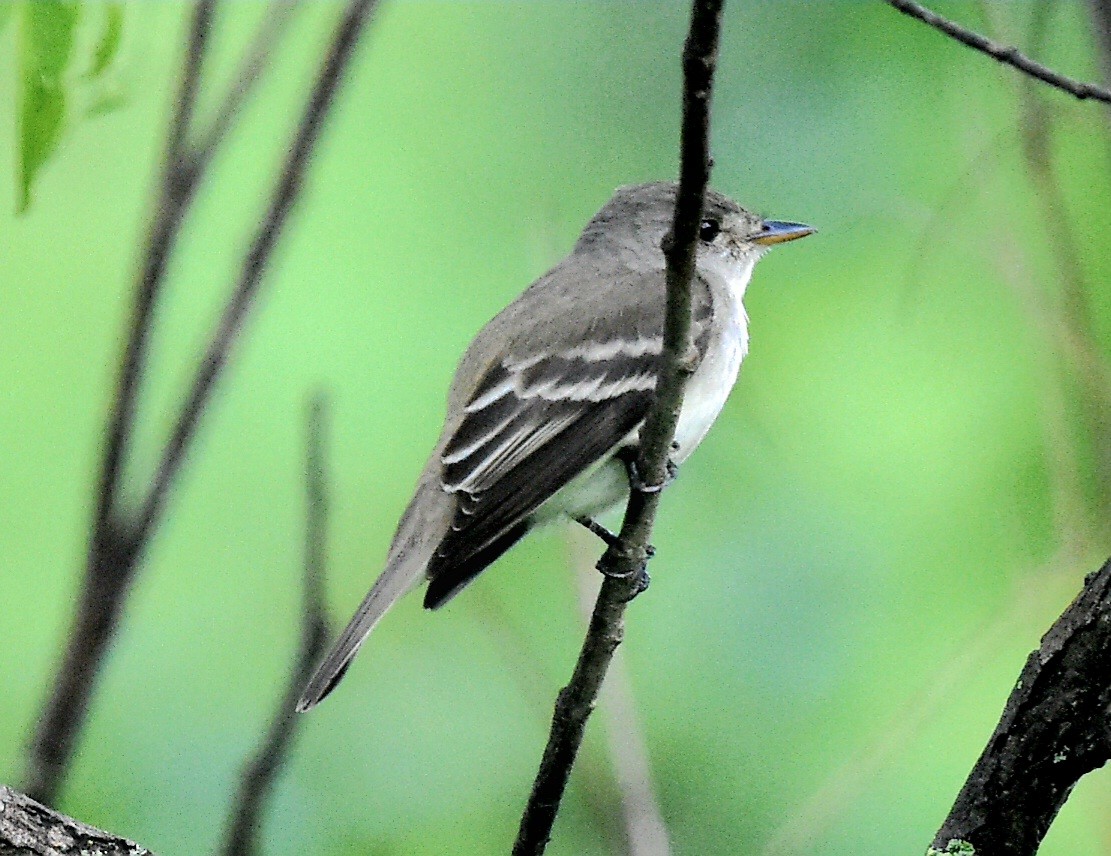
547	402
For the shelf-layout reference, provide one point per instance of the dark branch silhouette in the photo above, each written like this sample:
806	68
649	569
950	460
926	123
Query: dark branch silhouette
1053	731
1005	54
257	779
1101	23
119	535
113	544
255	60
339	52
624	562
28	828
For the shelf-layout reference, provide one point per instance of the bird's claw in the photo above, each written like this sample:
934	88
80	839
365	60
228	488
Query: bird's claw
671	471
639	576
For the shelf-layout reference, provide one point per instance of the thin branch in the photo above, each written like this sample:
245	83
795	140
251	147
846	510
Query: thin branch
255	60
646	832
340	50
257	779
28	828
179	183
625	566
1005	54
118	539
111	558
1053	732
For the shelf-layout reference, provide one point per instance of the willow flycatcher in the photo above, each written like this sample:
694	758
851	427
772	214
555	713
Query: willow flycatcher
548	400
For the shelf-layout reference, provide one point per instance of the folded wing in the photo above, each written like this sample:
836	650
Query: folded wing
531	426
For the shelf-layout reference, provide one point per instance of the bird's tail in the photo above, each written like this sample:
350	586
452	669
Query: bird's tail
395	581
418	533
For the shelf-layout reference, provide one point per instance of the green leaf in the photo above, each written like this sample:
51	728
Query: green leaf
105	103
6	9
47	42
109	44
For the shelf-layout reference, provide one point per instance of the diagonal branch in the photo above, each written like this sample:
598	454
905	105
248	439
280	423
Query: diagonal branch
340	50
1006	54
1053	732
255	60
625	565
28	828
257	778
118	538
110	561
179	183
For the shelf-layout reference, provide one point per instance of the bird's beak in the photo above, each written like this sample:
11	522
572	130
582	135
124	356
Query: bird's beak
778	232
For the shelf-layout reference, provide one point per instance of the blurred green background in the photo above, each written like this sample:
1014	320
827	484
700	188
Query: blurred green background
904	491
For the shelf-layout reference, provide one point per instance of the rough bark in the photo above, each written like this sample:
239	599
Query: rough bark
28	828
1054	730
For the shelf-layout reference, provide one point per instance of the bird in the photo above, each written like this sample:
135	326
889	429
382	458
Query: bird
547	402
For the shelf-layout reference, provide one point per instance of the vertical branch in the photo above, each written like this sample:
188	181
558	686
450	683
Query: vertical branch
625	565
257	779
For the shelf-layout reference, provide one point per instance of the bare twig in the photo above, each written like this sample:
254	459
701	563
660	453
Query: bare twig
1005	54
346	35
28	828
1053	731
625	565
646	832
257	779
1101	23
255	60
112	548
119	537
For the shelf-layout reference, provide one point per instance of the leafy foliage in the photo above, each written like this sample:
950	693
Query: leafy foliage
49	38
46	45
109	44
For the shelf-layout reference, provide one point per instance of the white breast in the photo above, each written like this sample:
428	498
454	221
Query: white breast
709	387
606	484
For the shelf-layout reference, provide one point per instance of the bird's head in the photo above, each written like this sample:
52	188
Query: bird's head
641	215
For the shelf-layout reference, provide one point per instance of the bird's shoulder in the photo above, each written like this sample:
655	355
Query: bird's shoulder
590	305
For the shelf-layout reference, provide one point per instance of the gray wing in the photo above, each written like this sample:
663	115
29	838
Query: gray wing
537	398
539	417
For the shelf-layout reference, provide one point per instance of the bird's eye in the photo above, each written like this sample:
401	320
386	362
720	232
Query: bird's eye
709	230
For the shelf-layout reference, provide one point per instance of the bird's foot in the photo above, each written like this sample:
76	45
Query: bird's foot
612	562
639	576
671	471
610	539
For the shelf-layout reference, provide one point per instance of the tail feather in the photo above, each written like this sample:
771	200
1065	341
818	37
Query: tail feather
447	577
419	531
395	581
